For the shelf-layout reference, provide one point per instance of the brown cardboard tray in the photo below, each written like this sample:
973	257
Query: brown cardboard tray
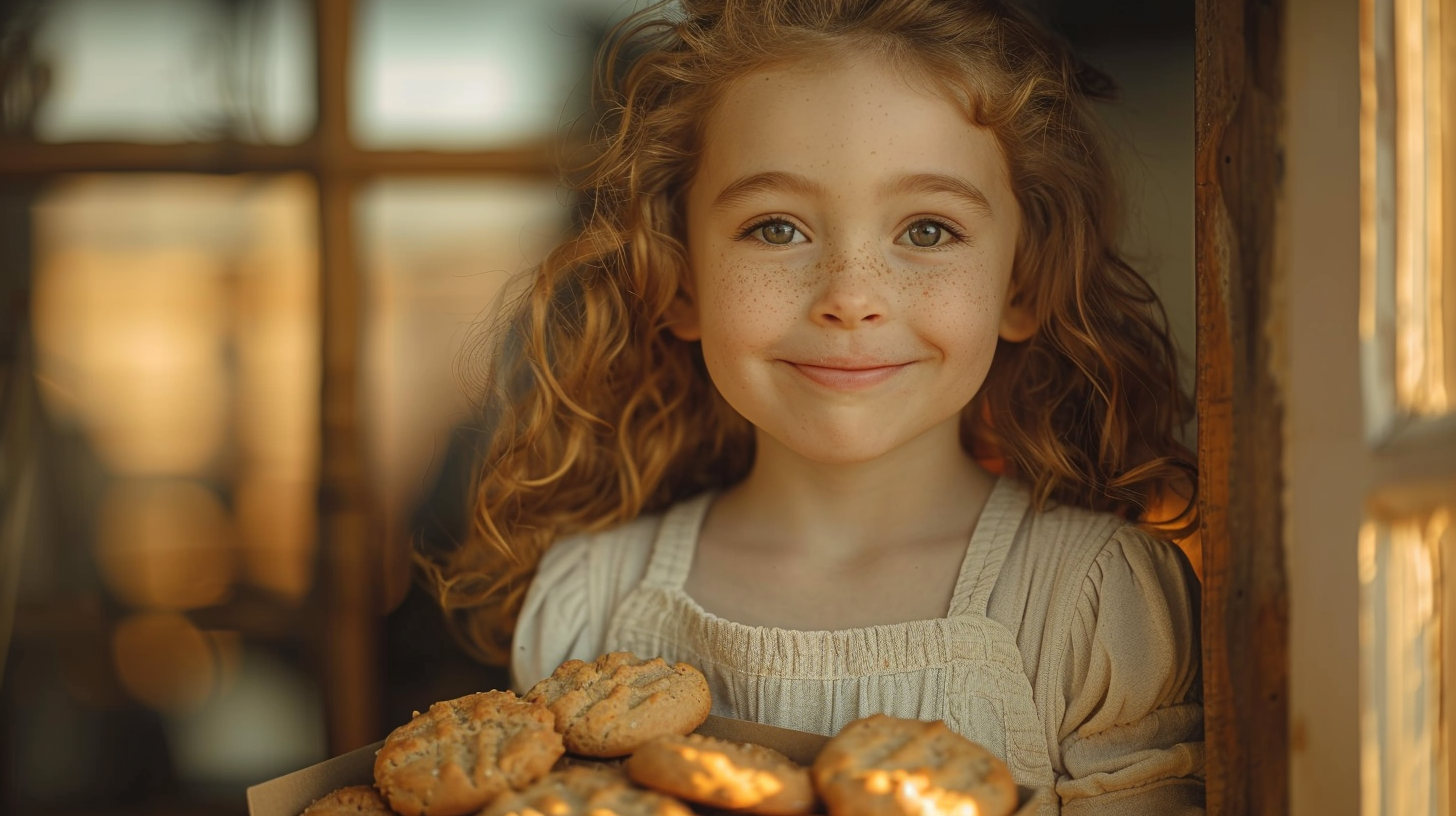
288	795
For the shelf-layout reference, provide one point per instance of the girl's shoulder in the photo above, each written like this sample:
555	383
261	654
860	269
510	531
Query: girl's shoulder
1073	539
1066	557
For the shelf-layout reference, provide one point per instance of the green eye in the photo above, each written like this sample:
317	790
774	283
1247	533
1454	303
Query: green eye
925	233
777	233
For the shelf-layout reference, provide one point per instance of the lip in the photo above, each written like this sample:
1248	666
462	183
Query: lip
848	376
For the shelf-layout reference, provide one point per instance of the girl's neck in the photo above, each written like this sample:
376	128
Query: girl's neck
928	489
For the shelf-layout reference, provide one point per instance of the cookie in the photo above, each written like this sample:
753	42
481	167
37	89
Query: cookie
617	702
886	766
724	774
583	791
357	800
460	755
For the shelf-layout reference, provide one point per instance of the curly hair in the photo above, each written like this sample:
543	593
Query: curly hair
597	413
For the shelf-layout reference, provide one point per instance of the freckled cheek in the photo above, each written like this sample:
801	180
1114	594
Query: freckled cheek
958	299
740	305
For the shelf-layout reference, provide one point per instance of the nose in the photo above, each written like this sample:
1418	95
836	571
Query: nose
851	292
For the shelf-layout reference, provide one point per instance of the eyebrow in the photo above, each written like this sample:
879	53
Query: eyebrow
749	186
953	186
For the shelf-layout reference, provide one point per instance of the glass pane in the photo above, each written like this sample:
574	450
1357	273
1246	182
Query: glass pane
434	254
176	335
1405	671
174	70
1443	274
1408	169
459	74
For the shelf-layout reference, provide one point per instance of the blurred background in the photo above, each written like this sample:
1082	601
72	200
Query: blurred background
244	246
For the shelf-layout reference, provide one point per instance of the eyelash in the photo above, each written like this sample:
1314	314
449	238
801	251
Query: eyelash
955	234
764	222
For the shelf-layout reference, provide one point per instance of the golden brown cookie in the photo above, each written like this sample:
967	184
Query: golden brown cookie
724	774
460	755
583	791
356	800
887	766
617	702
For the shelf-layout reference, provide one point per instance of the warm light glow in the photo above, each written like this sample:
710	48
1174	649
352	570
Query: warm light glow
177	328
165	544
165	662
276	524
131	344
276	330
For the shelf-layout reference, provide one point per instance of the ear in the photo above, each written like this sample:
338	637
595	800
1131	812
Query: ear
682	318
1018	323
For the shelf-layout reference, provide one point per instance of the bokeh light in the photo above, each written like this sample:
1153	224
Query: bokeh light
131	345
165	662
165	544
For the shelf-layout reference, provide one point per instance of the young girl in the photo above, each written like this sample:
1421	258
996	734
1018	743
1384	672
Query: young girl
842	263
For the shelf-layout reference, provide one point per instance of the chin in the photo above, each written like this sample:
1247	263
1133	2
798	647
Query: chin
835	451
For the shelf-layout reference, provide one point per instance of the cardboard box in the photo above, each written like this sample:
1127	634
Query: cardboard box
289	795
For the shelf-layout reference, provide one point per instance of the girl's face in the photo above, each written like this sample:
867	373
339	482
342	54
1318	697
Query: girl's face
850	237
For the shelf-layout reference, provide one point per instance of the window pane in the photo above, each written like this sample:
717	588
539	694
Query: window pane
434	254
458	74
1408	211
1405	666
162	606
175	70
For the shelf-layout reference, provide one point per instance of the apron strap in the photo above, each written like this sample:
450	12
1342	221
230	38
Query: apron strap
676	541
989	544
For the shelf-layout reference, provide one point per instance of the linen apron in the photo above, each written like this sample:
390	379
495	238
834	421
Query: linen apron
964	668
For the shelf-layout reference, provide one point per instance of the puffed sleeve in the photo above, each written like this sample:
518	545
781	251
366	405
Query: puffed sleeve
578	585
1132	733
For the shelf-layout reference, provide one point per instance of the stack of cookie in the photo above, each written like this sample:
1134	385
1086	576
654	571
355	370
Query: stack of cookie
496	754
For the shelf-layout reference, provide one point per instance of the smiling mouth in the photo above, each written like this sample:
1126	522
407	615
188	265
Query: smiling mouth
848	377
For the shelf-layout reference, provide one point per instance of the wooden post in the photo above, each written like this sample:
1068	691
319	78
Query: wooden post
350	547
1238	153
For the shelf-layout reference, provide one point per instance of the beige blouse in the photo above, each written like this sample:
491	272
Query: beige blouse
1070	649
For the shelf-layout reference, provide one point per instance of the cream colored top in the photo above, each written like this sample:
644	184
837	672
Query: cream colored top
1070	649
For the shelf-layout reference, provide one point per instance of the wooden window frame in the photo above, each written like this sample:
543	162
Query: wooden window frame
352	554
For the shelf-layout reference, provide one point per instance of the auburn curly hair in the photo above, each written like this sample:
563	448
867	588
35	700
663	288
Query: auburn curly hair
597	413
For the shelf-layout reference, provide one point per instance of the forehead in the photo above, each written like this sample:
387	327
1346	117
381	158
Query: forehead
821	118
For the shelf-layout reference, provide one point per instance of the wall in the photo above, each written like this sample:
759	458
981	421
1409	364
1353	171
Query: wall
1328	469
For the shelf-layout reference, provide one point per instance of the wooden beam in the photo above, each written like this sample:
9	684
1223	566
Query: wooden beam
25	158
1238	173
21	159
